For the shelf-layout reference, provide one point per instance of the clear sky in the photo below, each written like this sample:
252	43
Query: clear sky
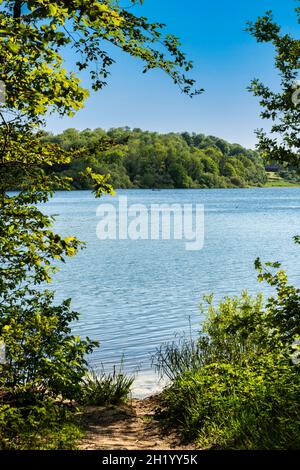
225	58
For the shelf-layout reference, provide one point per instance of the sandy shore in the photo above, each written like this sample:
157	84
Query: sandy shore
129	427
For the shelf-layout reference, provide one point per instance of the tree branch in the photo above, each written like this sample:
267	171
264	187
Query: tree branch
17	9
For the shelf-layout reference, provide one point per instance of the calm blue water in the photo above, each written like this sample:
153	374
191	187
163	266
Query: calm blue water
134	295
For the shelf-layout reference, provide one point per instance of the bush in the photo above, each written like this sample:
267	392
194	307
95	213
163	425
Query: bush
43	425
105	389
43	358
227	406
237	181
239	387
42	363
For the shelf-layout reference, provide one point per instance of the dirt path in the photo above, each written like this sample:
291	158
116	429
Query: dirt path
127	427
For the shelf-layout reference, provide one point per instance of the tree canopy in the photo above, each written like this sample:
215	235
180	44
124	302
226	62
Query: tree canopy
142	159
36	34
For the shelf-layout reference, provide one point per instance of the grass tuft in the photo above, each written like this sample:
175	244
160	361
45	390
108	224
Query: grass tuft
102	388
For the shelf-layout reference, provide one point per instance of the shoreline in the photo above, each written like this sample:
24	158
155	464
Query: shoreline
147	384
266	186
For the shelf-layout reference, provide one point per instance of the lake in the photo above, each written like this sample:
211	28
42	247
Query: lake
135	295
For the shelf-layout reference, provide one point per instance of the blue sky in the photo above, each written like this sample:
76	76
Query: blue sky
225	58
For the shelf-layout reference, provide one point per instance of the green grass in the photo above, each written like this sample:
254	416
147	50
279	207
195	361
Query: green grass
281	184
274	180
101	388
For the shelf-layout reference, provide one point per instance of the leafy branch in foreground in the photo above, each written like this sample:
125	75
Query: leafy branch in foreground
33	38
44	362
34	35
281	108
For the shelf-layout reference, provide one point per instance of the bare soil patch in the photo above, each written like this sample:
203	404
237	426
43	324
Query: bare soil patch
133	426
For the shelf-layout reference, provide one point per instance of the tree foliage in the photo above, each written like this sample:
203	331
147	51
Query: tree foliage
281	107
44	362
142	159
34	38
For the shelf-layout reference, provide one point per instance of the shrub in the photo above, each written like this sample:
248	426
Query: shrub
42	363
237	181
230	406
239	387
43	425
43	358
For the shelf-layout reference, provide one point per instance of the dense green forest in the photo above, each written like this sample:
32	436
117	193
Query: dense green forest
142	159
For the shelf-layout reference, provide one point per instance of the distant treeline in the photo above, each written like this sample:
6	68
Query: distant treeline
142	159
